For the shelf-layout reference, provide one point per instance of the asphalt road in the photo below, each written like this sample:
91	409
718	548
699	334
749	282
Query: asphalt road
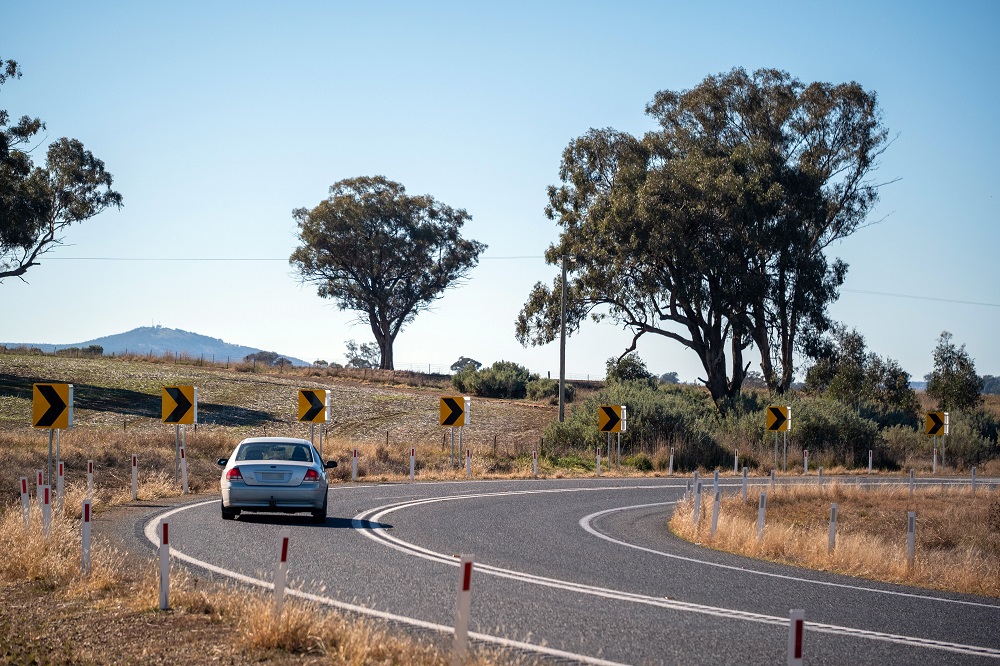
585	568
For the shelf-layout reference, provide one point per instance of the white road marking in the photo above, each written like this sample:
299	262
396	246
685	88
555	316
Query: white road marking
152	537
586	520
378	534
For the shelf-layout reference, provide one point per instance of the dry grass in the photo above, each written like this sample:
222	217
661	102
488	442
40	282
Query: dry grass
957	539
120	590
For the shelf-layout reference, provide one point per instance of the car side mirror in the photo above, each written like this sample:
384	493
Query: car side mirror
222	462
330	464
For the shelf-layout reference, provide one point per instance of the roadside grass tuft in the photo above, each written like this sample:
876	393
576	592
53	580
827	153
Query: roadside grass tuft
956	546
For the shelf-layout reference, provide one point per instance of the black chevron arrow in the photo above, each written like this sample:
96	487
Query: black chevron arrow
183	405
315	406
613	419
936	425
779	418
56	406
456	411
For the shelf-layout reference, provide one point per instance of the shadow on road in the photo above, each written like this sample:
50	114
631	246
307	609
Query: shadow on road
306	521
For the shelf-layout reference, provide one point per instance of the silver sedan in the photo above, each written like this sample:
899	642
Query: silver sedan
274	474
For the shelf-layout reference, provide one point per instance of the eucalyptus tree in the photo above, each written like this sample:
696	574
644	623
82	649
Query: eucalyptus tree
382	253
37	203
711	229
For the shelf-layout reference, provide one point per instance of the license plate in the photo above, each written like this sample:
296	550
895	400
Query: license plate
272	476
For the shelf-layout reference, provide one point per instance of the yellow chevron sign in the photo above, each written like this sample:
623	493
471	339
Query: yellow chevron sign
52	406
611	418
312	405
779	418
179	405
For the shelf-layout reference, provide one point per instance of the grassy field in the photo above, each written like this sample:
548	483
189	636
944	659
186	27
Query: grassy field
957	536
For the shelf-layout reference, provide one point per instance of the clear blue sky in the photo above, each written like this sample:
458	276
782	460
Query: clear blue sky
217	119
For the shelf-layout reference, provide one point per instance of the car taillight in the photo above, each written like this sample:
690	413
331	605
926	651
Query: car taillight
234	474
312	476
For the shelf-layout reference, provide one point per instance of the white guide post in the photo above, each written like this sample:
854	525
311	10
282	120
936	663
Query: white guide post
697	504
832	545
281	571
805	462
670	470
761	510
184	470
25	500
911	537
820	477
85	538
598	461
354	466
736	462
869	461
463	608
468	463
744	485
973	480
413	463
534	463
164	556
135	477
912	472
715	482
772	480
60	485
796	629
90	478
46	510
39	482
715	513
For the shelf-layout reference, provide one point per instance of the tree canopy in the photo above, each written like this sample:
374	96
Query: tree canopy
711	229
953	382
38	203
846	371
382	253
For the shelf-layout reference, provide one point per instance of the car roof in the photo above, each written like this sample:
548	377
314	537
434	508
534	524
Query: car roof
276	440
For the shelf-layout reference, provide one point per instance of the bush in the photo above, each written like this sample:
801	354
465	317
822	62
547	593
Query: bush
540	389
640	461
503	379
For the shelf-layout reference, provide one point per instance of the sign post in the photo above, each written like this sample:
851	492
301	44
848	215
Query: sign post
52	410
178	405
778	418
455	414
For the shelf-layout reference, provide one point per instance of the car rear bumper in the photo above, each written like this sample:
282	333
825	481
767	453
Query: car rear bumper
273	498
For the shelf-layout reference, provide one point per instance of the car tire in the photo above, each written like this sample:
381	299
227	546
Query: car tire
229	514
319	516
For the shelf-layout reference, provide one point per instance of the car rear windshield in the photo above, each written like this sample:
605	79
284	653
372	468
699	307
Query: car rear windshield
275	451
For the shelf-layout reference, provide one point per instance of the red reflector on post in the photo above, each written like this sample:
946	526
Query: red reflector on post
467	577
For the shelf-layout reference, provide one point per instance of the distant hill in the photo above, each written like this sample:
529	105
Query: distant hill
158	341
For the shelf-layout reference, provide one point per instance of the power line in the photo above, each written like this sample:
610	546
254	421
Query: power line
512	257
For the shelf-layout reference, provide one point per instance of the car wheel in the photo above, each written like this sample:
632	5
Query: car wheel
229	514
319	516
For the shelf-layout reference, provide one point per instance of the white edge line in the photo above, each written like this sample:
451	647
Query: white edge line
586	520
379	535
152	537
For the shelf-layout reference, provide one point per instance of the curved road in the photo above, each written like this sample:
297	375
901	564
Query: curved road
582	570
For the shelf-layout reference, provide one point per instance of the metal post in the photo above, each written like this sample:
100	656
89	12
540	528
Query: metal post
48	477
177	450
562	345
453	447
784	455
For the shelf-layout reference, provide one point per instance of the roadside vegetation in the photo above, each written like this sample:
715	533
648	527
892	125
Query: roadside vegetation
56	615
957	535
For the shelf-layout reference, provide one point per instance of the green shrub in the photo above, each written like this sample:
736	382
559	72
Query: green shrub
503	379
640	461
540	389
